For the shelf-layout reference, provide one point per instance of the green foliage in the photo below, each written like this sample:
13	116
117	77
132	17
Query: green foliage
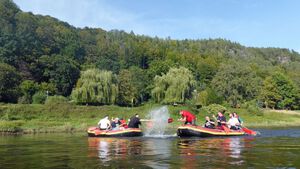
207	97
236	82
95	87
56	100
9	81
175	86
141	82
47	88
39	98
214	108
60	71
48	51
253	108
159	67
280	92
127	91
28	88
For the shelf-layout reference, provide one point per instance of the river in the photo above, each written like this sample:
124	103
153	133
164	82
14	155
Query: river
274	148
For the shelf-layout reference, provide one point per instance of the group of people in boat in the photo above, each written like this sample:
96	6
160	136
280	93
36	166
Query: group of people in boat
119	123
234	122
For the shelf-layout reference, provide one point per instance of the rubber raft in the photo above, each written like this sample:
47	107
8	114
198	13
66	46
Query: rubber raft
198	131
129	132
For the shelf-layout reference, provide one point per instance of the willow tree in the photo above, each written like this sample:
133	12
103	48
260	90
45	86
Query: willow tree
95	87
175	86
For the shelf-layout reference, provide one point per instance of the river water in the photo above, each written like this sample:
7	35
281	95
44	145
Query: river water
274	148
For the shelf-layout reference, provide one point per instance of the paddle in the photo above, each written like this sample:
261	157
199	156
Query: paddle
248	131
170	120
225	128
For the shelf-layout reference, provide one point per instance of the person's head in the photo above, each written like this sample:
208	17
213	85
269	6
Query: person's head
207	118
136	115
116	119
220	114
230	115
181	112
234	114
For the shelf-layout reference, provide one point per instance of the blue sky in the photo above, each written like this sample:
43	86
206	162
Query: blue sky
258	23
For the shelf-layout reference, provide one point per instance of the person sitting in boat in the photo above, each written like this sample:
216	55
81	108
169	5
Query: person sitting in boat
209	123
221	119
104	124
115	124
233	122
123	123
239	118
134	122
187	117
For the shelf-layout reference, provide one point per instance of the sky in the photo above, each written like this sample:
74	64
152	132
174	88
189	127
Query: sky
255	23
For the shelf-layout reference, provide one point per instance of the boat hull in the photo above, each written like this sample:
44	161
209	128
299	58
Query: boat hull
130	132
198	131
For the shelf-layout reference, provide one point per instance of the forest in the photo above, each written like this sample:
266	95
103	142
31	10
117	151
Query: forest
41	56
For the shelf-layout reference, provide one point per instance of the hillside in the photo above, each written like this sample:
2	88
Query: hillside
41	55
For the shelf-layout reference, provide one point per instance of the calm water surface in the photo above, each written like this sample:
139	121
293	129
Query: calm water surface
274	148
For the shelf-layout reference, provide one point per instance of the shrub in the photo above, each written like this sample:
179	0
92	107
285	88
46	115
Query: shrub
214	108
58	105
39	98
253	107
54	100
24	99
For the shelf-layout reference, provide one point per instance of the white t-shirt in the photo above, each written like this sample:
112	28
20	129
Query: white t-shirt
233	121
104	123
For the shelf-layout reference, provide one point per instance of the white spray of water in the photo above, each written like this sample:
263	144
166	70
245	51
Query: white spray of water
159	121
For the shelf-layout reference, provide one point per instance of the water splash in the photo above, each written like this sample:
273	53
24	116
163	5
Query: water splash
159	121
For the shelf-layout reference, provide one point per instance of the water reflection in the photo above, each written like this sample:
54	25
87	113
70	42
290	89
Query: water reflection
151	152
157	152
198	152
108	148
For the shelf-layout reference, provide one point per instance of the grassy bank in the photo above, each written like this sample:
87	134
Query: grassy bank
70	118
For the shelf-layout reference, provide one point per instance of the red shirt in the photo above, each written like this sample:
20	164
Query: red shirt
189	116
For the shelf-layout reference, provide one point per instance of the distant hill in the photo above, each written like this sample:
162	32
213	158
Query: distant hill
45	50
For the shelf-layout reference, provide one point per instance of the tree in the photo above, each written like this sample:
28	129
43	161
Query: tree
9	82
175	86
280	92
236	82
61	71
159	67
207	97
141	82
95	87
127	91
28	89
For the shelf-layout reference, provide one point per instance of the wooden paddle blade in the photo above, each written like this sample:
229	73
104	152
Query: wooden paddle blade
170	120
248	131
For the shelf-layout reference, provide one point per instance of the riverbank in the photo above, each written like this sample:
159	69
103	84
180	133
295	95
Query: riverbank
22	118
